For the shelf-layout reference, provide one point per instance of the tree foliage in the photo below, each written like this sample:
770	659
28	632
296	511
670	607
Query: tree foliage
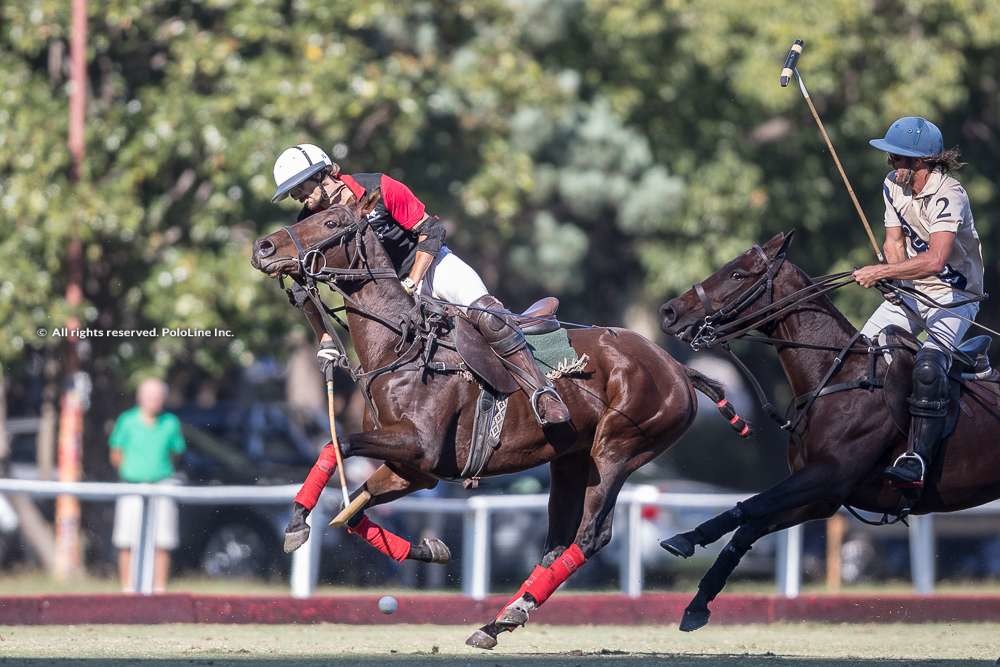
612	151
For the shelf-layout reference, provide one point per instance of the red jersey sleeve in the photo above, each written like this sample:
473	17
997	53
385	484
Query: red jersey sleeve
401	203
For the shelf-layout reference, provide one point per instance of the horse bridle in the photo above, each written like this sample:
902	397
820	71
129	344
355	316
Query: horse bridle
313	268
312	260
717	320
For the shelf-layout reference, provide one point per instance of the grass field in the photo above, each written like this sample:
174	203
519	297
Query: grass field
799	645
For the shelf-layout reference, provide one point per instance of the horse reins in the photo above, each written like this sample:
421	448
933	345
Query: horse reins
724	324
312	263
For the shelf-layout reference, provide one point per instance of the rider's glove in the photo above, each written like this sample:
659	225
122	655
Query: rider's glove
328	357
408	285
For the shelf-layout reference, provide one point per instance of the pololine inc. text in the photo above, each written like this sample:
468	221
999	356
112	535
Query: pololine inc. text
65	332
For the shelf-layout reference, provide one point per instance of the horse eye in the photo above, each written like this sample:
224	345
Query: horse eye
330	224
737	275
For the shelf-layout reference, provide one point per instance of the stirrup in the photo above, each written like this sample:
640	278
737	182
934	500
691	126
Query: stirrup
536	396
923	470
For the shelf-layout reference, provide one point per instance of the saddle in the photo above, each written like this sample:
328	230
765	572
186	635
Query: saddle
539	318
898	380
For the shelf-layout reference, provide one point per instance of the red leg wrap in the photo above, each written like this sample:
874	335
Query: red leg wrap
392	545
320	474
563	566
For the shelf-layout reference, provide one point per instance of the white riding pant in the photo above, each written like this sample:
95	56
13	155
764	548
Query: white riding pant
450	279
944	324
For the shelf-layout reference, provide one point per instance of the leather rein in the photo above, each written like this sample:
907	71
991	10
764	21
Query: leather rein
726	323
421	324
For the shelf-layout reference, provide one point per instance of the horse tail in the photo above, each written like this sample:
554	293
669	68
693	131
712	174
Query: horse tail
715	391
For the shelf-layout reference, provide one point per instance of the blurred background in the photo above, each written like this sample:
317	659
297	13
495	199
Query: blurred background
609	152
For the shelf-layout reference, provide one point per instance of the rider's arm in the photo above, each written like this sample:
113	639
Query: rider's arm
925	264
423	259
411	214
895	245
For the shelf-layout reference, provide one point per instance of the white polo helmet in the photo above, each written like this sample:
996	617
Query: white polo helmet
297	164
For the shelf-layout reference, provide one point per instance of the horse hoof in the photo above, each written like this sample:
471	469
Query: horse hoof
295	539
512	616
694	619
679	545
439	551
480	639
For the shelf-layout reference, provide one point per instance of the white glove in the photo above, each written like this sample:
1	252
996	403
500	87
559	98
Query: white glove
328	357
408	285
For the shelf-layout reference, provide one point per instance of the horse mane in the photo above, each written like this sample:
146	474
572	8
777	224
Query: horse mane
824	302
368	202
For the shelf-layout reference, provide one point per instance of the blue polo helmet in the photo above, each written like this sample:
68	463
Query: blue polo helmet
911	136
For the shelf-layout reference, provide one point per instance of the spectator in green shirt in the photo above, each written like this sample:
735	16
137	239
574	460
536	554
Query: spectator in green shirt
144	446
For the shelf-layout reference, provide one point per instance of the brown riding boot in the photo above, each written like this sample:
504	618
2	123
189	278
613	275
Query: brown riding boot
505	337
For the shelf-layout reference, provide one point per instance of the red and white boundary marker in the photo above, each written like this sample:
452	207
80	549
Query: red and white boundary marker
449	609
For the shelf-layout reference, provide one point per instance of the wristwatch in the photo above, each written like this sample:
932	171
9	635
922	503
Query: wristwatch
408	285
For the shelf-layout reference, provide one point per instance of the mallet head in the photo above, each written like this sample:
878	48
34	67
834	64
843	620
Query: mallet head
791	60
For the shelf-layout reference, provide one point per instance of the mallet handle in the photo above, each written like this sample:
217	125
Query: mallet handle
336	443
789	68
840	168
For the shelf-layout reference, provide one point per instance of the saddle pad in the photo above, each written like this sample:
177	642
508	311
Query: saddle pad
553	352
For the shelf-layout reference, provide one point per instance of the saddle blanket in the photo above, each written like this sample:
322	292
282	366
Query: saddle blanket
554	354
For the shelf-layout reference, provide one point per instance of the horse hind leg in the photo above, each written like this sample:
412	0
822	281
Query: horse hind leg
569	477
592	534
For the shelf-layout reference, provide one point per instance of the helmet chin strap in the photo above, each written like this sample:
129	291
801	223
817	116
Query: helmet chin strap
335	197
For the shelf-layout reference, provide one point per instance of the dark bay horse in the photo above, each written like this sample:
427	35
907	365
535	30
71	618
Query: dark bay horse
843	439
632	403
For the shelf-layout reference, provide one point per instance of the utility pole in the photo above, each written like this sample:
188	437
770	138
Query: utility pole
68	556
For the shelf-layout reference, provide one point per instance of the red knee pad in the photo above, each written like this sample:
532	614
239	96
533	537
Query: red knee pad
392	545
566	564
318	476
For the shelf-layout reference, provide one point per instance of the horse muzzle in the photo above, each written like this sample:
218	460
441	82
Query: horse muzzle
262	258
672	324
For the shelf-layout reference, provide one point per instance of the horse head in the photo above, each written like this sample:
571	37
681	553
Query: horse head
737	290
320	247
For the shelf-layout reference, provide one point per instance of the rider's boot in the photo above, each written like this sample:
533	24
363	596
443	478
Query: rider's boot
505	337
928	409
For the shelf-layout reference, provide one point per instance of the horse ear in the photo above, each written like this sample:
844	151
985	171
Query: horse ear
786	241
369	201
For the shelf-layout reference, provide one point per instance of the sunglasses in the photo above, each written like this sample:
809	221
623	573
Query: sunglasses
893	158
303	189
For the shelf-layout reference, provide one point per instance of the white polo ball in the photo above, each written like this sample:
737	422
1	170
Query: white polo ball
387	604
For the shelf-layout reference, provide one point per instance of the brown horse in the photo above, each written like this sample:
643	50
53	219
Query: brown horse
841	438
632	403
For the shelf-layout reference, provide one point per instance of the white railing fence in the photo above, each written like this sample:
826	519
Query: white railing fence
477	512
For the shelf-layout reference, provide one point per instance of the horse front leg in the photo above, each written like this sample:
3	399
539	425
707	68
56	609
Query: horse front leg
805	486
384	485
697	612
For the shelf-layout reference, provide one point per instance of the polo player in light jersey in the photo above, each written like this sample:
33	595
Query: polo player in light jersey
930	243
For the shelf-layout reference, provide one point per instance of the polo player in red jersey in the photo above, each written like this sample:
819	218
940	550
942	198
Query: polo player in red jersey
414	241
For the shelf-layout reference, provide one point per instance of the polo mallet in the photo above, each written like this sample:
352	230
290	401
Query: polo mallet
330	354
789	68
